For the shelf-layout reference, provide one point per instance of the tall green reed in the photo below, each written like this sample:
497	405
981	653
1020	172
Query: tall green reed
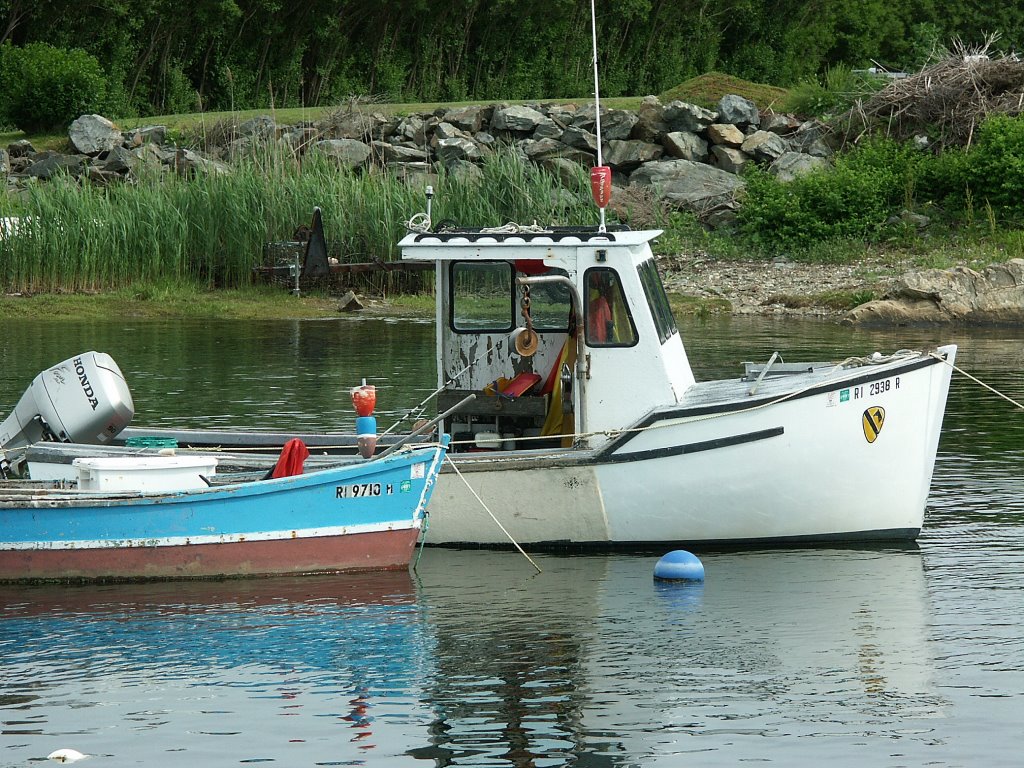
210	230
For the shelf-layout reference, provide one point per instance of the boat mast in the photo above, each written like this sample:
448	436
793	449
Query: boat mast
597	101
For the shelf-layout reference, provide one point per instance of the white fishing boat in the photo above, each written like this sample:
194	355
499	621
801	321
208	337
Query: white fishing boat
614	442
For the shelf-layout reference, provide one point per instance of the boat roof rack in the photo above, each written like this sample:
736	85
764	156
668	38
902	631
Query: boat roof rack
549	233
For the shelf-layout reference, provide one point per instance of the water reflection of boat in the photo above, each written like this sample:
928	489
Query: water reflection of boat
209	668
592	657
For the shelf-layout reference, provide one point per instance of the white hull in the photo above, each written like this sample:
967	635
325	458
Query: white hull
713	470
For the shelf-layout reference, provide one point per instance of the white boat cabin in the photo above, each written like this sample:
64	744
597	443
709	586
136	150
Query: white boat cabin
562	334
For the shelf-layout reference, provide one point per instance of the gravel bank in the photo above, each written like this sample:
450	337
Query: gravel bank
773	287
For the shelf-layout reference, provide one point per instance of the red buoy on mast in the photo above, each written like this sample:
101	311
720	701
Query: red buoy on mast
601	185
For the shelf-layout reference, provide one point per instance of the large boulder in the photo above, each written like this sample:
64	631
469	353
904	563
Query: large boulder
729	159
457	148
189	163
694	186
21	148
259	127
399	153
93	134
548	129
725	134
361	126
764	146
136	137
617	124
446	130
629	155
685	146
347	153
580	138
682	116
779	123
119	160
651	125
469	119
995	295
46	165
517	118
737	110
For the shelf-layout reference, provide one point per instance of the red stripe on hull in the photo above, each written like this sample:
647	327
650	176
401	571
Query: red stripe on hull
382	550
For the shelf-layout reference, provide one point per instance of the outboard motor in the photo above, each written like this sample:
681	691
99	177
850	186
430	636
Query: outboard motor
84	399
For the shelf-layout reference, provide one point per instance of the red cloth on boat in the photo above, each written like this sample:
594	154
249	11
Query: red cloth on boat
520	384
292	457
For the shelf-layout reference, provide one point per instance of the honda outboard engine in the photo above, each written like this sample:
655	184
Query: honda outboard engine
85	399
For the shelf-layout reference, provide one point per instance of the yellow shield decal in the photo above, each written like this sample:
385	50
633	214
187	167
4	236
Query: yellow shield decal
872	422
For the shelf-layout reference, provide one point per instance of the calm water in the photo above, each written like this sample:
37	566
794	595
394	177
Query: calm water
802	657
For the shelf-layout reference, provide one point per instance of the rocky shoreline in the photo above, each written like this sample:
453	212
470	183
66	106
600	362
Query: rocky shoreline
778	287
871	292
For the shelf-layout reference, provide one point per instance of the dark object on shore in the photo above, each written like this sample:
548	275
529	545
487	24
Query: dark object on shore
308	260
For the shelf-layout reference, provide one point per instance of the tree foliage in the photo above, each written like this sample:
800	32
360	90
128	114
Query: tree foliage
160	56
46	87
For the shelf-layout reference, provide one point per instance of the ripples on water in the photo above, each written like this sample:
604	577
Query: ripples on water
802	657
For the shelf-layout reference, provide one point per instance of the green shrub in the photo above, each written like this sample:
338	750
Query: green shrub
995	167
989	176
944	179
46	87
853	199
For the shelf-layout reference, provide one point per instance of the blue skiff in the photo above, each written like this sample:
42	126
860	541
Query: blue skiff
360	516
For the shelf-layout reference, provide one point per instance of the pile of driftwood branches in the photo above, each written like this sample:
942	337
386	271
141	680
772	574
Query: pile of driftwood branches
946	101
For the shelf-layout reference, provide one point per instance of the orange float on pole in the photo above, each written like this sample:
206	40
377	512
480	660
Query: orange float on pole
364	399
601	185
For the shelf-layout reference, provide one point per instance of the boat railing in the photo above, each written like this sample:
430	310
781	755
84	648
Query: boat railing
555	234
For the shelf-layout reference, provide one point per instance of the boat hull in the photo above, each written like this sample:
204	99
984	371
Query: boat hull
362	516
789	467
351	552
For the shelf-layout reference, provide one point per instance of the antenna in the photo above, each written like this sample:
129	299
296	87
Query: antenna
600	175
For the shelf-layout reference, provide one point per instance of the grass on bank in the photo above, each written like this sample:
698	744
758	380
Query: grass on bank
186	302
708	89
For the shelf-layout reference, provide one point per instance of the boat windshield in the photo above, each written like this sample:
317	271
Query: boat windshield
484	299
657	300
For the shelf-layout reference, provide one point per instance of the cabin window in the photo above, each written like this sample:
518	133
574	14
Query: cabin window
606	314
482	296
657	300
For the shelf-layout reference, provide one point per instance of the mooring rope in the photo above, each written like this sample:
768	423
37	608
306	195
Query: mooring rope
419	223
423	538
448	458
977	381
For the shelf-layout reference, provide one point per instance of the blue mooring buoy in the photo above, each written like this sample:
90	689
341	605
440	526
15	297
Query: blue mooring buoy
679	565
